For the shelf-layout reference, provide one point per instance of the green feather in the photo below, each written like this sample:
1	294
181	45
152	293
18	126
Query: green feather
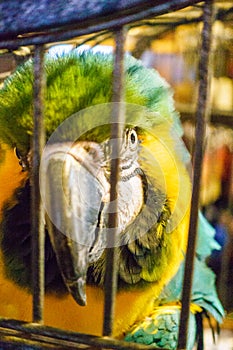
76	82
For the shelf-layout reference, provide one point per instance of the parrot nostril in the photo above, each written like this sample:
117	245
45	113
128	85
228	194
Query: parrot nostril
87	148
92	151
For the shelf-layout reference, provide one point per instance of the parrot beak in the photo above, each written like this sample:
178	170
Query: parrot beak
74	189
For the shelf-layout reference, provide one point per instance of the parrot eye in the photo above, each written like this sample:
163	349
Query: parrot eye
132	139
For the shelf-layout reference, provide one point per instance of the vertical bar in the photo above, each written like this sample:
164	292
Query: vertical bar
37	212
116	134
201	119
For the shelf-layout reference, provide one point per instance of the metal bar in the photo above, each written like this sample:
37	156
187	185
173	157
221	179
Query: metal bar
201	119
10	342
49	335
216	118
65	33
116	136
37	211
82	14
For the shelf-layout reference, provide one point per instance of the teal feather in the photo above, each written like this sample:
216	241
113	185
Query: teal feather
205	238
161	329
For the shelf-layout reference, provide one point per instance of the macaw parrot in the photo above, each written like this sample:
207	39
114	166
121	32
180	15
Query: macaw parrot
154	192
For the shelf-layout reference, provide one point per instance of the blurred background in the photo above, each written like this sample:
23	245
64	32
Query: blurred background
171	44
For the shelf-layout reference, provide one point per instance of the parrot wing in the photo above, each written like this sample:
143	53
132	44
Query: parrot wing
161	328
204	292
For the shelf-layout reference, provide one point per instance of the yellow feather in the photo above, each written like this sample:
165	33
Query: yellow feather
131	306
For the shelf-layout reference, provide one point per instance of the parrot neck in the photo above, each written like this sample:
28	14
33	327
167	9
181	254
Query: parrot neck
11	175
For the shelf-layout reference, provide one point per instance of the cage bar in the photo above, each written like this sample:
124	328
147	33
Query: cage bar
68	31
202	116
37	210
117	124
54	336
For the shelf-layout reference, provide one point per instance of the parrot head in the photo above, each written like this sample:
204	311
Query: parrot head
153	187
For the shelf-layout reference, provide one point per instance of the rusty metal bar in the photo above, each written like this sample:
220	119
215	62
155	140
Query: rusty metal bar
82	14
37	211
87	27
201	119
116	136
216	118
67	339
